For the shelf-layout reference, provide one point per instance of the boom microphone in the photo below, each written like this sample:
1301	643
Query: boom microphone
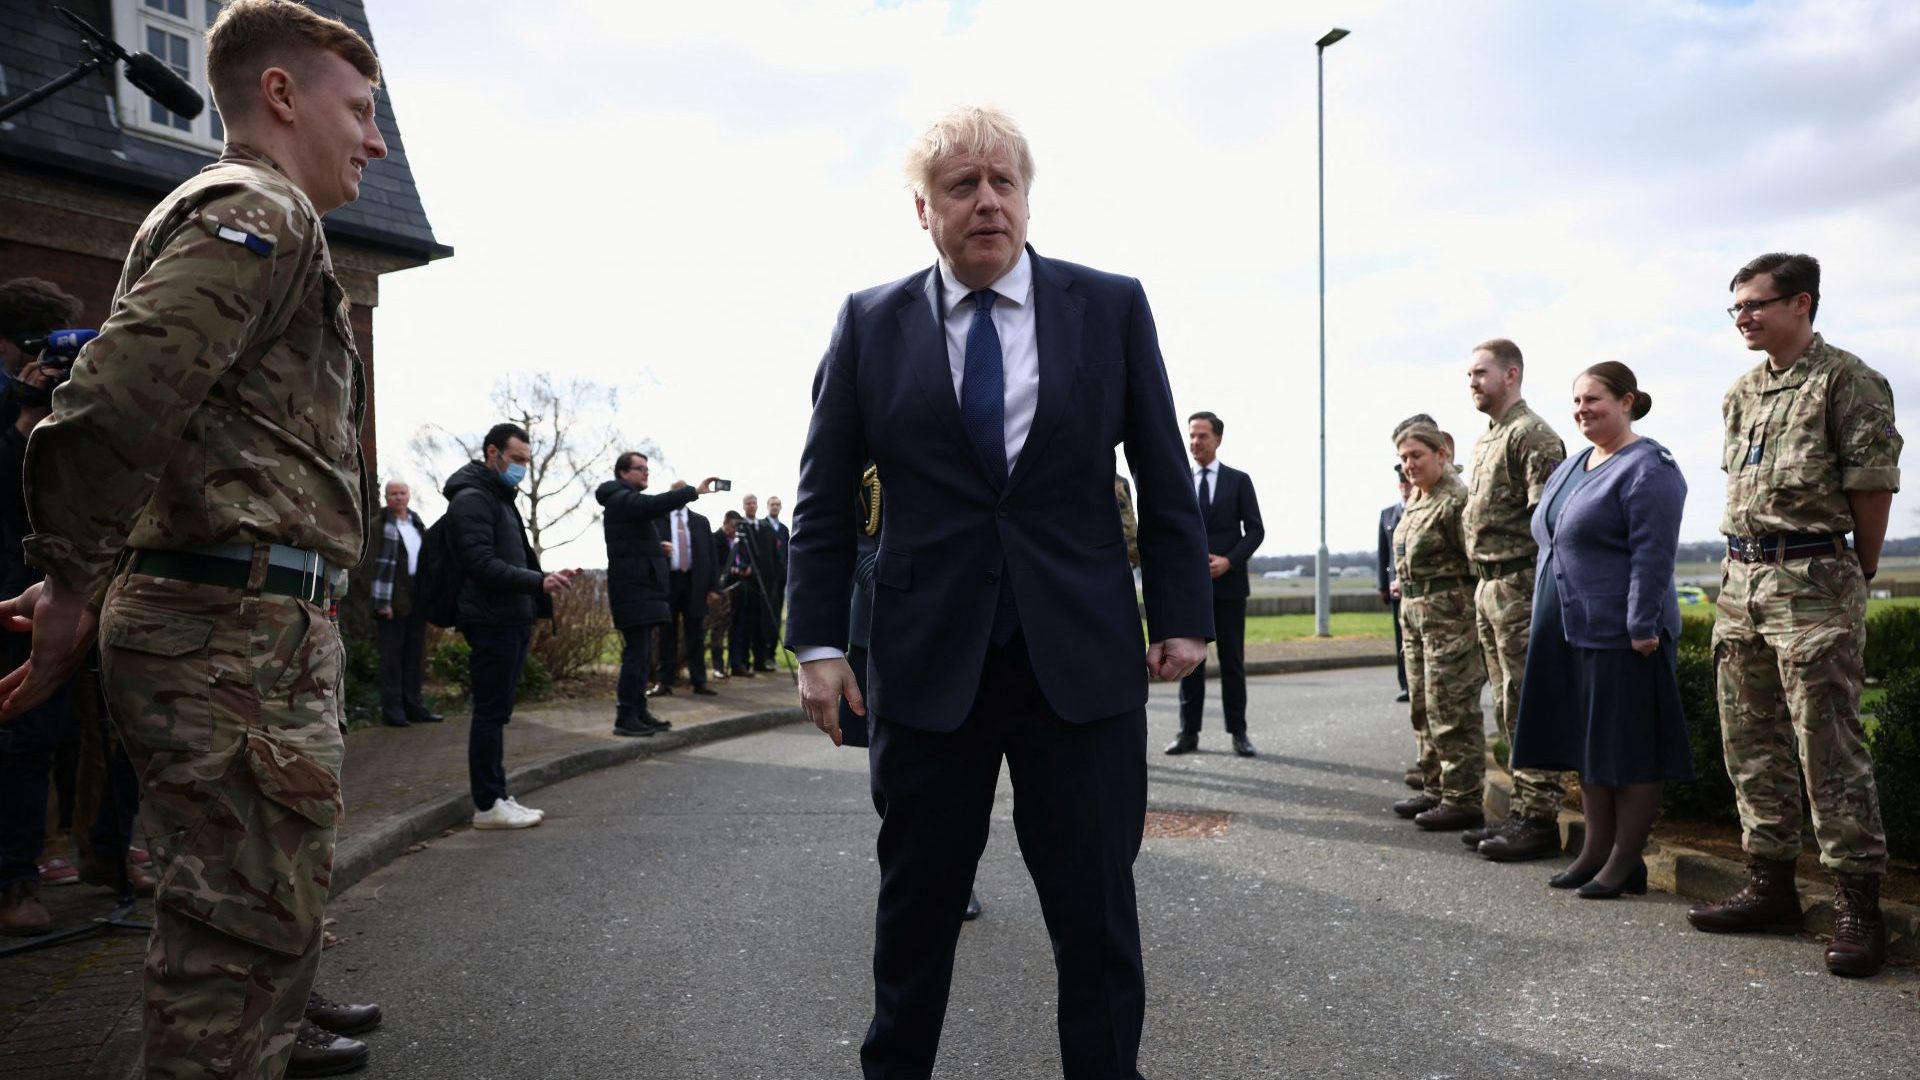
154	78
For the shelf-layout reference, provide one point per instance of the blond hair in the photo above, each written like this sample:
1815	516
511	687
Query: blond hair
251	36
968	129
1427	435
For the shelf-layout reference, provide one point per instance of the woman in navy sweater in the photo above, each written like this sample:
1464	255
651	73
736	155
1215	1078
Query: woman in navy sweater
1600	695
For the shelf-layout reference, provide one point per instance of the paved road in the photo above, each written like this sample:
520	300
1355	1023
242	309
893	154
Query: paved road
708	915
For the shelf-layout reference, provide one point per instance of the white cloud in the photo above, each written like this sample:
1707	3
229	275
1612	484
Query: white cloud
675	198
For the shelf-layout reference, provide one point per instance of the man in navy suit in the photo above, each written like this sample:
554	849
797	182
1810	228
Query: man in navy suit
1234	533
991	390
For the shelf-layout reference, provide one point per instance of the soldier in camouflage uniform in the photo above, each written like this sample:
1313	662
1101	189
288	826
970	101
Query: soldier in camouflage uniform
1811	455
1129	523
197	495
1444	667
1511	463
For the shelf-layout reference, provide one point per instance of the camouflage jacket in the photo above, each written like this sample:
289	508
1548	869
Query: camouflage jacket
1129	524
222	400
1798	440
1511	463
1428	543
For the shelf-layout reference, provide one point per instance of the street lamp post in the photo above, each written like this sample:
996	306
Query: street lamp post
1322	601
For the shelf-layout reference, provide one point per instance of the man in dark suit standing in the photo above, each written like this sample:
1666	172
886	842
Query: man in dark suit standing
991	390
1389	521
757	600
1234	533
779	539
693	582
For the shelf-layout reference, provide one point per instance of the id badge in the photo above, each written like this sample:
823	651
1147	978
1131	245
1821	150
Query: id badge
1754	450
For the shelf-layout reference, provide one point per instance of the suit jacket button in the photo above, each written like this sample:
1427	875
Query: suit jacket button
993	577
1003	511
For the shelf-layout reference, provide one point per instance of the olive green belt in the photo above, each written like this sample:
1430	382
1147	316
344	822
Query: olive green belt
203	569
1487	570
1413	590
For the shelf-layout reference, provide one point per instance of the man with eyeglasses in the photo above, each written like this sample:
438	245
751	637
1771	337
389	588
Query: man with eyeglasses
1811	455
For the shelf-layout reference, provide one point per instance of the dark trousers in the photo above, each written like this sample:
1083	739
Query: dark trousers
1080	798
402	641
630	692
1399	647
1230	640
692	629
26	771
748	634
493	670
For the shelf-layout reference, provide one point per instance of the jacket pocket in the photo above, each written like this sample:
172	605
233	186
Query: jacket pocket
894	570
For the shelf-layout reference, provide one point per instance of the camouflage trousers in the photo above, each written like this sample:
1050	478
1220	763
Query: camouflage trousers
1444	675
1788	644
1503	611
719	625
229	705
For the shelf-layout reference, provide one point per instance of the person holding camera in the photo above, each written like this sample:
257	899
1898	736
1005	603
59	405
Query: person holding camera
639	568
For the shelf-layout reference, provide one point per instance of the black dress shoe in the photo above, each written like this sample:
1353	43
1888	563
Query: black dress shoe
395	721
660	690
341	1018
656	723
1403	698
1184	744
706	691
973	908
1635	883
317	1052
637	729
426	716
1418	804
1243	745
1571	879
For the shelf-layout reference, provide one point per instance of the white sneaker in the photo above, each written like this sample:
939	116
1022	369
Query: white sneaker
504	814
538	815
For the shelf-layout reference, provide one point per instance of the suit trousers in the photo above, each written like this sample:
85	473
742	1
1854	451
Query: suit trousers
693	634
402	641
746	640
630	690
1080	797
1230	641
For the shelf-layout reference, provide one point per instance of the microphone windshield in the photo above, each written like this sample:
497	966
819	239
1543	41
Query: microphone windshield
158	81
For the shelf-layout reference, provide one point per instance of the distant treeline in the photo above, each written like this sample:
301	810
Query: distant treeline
1698	551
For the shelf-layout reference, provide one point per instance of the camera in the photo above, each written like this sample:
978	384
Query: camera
58	349
722	485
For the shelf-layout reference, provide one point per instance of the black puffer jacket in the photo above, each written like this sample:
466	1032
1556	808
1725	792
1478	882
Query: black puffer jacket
504	582
637	583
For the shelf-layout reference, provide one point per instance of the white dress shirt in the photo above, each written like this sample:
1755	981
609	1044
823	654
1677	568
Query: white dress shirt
410	539
1213	483
682	557
1013	321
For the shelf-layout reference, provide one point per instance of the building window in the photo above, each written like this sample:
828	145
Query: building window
176	32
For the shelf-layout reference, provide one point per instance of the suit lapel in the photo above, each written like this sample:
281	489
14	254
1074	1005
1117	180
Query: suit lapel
1058	319
925	344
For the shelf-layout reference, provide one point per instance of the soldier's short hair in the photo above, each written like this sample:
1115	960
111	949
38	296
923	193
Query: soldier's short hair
1427	435
1416	418
1218	425
251	36
732	515
968	129
1504	351
499	435
625	461
31	306
1792	273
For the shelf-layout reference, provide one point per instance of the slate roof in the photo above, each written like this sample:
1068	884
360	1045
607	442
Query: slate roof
75	132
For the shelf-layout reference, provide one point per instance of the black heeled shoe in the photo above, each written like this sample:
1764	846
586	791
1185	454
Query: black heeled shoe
1568	879
1635	883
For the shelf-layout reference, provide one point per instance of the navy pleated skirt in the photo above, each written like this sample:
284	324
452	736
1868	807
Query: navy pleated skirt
1611	715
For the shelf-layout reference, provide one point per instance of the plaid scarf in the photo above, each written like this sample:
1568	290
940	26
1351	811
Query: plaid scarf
386	568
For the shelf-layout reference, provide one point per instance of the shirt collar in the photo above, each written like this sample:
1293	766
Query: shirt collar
1214	465
1015	286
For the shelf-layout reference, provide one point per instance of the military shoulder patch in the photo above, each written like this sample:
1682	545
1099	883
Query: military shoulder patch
245	239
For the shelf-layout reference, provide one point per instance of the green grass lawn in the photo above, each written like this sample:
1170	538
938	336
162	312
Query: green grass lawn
1875	605
1346	624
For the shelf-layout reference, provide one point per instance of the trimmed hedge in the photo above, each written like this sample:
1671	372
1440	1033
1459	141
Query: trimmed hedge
1893	642
1895	742
449	662
1710	796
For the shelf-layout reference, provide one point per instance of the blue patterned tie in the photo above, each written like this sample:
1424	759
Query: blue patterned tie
983	412
983	388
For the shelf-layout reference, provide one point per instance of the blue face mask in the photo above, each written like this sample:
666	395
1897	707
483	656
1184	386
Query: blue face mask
514	473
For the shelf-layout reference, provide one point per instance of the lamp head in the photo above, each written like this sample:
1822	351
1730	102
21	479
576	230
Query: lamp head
1332	36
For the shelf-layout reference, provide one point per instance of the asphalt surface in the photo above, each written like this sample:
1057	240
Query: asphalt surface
708	914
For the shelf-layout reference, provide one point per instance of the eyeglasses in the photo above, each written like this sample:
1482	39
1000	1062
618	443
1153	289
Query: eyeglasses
1750	306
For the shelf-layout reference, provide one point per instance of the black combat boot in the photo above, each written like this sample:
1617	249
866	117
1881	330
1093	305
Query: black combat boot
1859	945
318	1052
1491	829
1770	904
1523	839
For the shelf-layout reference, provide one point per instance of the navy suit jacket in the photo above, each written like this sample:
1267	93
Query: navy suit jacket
1233	528
884	393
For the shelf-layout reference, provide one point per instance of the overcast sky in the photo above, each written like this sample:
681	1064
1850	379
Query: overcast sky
674	199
